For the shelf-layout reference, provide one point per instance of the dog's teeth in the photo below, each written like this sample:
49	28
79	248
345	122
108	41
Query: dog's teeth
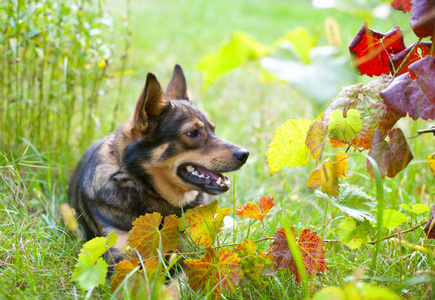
201	176
227	181
207	177
195	173
190	169
218	182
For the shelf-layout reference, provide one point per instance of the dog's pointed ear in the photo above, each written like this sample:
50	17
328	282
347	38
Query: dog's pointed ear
177	87
150	104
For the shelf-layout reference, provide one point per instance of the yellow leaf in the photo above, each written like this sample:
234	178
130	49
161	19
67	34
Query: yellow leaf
326	175
431	158
288	145
204	222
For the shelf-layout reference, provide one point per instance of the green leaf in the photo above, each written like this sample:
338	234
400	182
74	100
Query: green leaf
353	233
288	145
89	275
111	240
92	250
232	55
353	202
301	42
91	269
344	128
355	290
406	207
30	35
393	219
420	208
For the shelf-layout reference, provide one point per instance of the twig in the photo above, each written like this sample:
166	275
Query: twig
399	233
406	58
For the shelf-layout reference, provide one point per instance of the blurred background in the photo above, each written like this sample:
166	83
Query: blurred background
71	72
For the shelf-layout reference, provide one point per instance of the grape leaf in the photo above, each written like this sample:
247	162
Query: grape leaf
371	50
316	138
146	237
344	128
232	55
429	229
90	276
253	265
138	284
391	157
288	145
204	222
91	269
214	271
416	208
422	18
413	93
250	210
366	100
422	50
355	290
352	201
431	158
326	175
403	5
122	269
393	219
353	233
310	246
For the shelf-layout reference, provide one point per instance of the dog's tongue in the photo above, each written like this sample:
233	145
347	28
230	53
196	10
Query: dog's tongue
212	175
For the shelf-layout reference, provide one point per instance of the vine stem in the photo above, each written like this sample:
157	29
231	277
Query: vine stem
271	238
385	237
406	58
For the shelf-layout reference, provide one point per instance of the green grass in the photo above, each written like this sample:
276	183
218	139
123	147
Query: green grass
46	127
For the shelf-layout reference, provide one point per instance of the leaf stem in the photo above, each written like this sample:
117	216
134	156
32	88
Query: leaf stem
406	58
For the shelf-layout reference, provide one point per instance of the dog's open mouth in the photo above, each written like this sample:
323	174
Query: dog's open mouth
212	183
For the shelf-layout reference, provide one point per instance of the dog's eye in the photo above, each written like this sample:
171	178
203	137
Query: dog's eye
193	133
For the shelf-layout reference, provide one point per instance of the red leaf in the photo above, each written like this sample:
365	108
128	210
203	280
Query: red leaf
214	271
372	49
391	157
366	100
310	246
413	93
422	50
423	18
429	229
403	5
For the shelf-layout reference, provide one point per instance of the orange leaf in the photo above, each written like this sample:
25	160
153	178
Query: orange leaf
204	222
326	175
250	209
316	138
213	271
147	238
125	267
122	269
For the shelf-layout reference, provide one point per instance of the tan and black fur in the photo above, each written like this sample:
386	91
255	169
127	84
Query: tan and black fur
146	165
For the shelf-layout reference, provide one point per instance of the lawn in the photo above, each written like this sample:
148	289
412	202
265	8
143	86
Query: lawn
69	85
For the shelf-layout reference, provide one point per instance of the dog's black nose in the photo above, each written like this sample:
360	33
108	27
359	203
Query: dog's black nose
241	155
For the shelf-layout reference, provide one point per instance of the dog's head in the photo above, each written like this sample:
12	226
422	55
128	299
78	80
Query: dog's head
173	146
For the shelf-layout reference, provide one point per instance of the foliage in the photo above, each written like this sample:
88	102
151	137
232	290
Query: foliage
217	269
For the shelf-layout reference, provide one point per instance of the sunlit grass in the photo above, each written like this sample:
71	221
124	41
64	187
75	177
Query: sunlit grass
58	97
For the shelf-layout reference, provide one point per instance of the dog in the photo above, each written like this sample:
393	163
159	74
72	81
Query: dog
166	158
